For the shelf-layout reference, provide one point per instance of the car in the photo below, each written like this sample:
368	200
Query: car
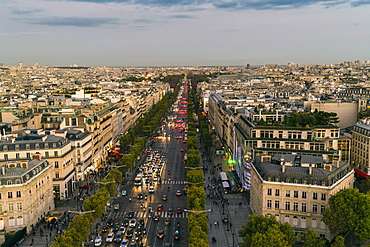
140	196
167	245
184	141
164	197
85	186
124	243
110	222
160	207
140	221
125	222
160	234
133	245
132	223
124	192
116	206
115	227
155	178
178	210
176	235
167	222
151	189
182	150
170	211
105	228
138	231
156	217
122	229
147	181
130	214
98	241
110	237
178	192
129	233
143	230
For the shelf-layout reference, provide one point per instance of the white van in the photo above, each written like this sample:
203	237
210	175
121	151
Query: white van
151	189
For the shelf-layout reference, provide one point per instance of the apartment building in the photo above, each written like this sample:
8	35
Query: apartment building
360	149
296	189
26	193
52	146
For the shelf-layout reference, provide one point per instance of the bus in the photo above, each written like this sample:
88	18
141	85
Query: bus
138	179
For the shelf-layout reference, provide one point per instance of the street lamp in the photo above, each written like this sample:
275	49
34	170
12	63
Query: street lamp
198	212
194	168
81	212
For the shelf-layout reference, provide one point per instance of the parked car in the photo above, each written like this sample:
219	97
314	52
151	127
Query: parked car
110	237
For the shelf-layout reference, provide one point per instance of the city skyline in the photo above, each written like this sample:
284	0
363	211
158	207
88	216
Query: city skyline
182	33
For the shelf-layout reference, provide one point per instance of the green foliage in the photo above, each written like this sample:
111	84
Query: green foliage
195	176
310	119
365	185
338	242
272	238
311	240
196	198
263	224
349	211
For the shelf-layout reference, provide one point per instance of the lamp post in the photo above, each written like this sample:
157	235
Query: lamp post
233	239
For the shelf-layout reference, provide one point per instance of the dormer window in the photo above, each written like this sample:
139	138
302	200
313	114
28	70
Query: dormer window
5	148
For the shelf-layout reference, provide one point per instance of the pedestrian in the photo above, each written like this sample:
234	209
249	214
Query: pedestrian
215	223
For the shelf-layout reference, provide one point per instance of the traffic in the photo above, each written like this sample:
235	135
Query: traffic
151	209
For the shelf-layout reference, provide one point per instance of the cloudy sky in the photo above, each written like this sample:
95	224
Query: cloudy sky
183	32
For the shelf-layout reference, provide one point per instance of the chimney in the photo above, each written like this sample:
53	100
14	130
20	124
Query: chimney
13	139
3	170
283	168
43	138
310	169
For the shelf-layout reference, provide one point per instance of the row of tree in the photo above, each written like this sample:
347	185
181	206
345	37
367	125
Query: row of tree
197	221
94	206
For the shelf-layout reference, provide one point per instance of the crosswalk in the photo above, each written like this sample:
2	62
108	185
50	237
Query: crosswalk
164	182
143	214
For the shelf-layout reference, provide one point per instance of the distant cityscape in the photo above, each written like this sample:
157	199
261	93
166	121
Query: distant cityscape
59	124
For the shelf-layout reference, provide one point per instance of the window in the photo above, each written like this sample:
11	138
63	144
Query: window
322	224
46	145
55	153
323	197
57	175
304	194
19	206
10	194
287	205
18	193
11	221
314	208
303	222
20	220
27	146
295	194
269	192
287	219
295	206
322	208
56	164
314	223
46	154
269	203
5	148
304	207
277	204
277	192
6	157
28	155
287	193
295	221
314	196
16	147
10	207
0	196
17	156
1	208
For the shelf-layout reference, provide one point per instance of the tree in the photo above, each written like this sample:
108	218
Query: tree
338	242
261	225
349	211
365	185
272	238
310	239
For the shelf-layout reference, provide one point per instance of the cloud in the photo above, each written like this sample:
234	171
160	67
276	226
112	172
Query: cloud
25	11
360	3
182	16
74	21
21	34
230	4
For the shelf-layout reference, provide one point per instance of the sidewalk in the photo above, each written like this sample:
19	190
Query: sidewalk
232	207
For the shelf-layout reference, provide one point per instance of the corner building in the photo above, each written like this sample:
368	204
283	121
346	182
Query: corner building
296	189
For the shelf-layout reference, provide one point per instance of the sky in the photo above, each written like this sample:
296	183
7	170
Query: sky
183	32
